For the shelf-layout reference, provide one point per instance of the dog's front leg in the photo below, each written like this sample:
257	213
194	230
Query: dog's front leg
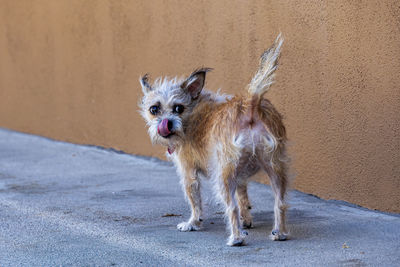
191	187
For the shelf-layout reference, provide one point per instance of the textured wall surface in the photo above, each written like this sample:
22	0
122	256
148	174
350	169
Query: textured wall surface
69	70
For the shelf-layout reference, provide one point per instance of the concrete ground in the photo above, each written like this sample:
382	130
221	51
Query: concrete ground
66	204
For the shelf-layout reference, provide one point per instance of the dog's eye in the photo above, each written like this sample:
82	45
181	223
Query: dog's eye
154	110
178	109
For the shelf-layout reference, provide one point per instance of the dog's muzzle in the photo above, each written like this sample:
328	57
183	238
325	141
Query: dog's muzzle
164	128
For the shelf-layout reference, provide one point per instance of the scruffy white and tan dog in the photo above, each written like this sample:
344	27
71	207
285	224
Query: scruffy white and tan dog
226	139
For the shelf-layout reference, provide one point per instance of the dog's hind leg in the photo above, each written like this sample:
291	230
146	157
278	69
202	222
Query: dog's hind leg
276	170
244	205
227	187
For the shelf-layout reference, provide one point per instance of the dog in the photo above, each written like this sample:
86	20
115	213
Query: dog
224	138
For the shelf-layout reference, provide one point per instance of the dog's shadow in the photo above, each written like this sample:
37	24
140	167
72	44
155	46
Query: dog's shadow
301	224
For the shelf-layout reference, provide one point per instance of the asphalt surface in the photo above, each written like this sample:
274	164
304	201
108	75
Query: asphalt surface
66	204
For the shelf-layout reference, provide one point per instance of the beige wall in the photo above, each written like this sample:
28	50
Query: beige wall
69	70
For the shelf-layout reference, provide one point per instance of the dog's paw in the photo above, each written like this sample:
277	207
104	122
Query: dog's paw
247	224
246	220
278	236
187	226
235	241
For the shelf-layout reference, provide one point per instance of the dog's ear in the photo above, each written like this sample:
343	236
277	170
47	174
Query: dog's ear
144	82
195	83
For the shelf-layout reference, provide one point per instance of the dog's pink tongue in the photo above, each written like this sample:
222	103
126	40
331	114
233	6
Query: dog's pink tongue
171	149
163	128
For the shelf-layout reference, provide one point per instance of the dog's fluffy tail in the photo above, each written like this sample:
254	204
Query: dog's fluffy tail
264	77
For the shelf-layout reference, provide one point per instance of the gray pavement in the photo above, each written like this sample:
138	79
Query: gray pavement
66	204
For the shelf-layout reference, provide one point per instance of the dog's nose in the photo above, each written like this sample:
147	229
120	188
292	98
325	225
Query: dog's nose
165	127
169	125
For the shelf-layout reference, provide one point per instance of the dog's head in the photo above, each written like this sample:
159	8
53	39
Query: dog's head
167	105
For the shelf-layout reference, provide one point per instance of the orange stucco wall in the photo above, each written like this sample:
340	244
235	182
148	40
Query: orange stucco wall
69	70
